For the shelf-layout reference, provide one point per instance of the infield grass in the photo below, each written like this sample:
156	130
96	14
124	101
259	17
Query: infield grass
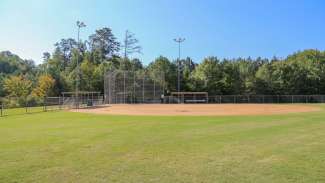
75	147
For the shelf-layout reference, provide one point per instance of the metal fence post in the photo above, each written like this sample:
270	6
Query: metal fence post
59	103
154	89
44	104
124	96
1	109
134	95
143	90
26	105
263	99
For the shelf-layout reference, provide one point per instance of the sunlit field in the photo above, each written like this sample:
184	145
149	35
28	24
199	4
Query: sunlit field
73	147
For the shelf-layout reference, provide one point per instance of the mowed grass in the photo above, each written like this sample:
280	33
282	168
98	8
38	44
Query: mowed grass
22	111
74	147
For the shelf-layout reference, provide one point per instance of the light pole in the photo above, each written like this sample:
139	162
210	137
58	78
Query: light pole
79	25
179	41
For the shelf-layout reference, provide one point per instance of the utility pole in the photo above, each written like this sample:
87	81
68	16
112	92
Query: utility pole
179	41
79	25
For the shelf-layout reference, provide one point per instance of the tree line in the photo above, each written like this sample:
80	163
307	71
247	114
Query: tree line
300	73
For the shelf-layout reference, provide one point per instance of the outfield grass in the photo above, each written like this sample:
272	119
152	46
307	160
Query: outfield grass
22	111
73	147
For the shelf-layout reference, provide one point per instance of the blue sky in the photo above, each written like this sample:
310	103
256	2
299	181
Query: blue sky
223	28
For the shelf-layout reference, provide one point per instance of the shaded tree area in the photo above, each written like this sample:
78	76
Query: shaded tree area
301	73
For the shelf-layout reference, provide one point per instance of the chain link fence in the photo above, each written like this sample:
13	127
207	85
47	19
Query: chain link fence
131	87
248	99
19	106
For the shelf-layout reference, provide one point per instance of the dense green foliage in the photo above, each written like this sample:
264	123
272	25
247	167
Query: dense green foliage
75	147
299	73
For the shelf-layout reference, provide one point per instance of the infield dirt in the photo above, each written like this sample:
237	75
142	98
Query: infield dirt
199	109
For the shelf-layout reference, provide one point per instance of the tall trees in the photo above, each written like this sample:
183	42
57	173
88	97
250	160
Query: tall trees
9	63
208	76
88	75
46	56
17	86
104	43
2	92
130	44
65	47
264	80
162	65
300	73
11	66
44	85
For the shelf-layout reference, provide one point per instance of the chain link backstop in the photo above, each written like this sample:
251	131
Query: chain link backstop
122	87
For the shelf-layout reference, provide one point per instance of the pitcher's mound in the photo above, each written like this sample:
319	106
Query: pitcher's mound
199	109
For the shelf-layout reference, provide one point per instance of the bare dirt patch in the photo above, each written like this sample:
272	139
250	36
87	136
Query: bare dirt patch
199	109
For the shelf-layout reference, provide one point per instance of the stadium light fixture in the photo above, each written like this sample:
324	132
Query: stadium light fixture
79	25
179	41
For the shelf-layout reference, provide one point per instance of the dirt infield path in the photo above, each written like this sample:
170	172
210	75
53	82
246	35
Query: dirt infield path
199	109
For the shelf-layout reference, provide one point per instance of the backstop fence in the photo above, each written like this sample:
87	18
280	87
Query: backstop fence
121	87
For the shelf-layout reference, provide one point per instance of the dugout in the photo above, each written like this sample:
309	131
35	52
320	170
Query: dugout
188	97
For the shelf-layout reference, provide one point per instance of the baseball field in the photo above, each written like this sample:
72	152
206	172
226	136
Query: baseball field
276	144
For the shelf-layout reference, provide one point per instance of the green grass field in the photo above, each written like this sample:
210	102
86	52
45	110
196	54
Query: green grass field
73	147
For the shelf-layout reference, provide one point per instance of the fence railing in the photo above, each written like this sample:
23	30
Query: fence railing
268	99
18	106
253	99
